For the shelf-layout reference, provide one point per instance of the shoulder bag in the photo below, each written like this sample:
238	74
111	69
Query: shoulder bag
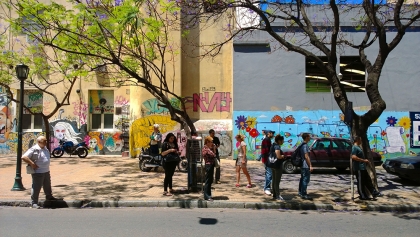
34	158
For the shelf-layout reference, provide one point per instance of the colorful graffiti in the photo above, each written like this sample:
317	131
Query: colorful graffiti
389	135
152	106
101	101
80	110
33	100
219	100
141	129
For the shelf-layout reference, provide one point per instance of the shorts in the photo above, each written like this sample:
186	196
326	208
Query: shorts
239	162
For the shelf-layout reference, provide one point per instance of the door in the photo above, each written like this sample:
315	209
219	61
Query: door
341	153
320	155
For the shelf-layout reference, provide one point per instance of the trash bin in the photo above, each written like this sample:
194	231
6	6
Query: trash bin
194	164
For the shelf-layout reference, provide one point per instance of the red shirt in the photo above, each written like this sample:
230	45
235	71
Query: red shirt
265	149
208	155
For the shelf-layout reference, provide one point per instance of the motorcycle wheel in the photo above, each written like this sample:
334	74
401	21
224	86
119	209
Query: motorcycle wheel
57	153
82	152
183	165
142	166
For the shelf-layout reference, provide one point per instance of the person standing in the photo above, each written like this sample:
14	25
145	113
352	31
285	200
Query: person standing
306	169
265	151
170	151
241	161
38	157
155	140
277	166
208	156
216	144
359	166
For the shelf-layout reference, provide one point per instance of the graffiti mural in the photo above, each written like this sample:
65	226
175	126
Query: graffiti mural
80	110
152	106
6	127
33	100
389	135
101	101
218	102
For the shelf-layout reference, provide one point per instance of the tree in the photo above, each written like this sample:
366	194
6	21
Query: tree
313	41
47	71
131	38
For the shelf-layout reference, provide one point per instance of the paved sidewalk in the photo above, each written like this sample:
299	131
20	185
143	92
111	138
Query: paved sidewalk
99	181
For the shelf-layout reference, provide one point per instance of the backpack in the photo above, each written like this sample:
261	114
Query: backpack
296	158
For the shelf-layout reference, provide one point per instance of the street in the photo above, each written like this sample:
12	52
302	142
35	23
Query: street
18	221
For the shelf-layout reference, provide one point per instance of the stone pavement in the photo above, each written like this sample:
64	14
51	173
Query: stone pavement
114	181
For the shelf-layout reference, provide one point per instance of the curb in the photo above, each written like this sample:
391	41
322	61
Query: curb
215	204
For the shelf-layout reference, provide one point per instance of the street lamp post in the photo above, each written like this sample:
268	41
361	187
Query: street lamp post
22	74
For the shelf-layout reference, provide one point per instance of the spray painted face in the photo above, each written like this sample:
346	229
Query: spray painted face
3	119
93	143
59	132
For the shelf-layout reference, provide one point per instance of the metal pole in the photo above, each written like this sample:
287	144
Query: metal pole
351	167
18	186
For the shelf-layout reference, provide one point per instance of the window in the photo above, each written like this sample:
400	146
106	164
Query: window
101	109
33	100
351	68
315	78
353	72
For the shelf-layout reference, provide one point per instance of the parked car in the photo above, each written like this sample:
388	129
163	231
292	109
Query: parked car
327	152
405	167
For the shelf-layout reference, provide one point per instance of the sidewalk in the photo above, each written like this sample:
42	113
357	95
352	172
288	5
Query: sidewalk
101	181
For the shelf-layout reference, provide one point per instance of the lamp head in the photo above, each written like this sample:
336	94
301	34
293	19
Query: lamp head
340	76
22	71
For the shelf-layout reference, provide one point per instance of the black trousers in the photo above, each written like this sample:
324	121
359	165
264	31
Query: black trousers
364	184
208	181
169	173
217	176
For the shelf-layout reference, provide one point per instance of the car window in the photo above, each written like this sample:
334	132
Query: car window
321	145
347	145
338	145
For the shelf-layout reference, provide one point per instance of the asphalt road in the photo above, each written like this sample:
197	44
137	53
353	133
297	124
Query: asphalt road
156	222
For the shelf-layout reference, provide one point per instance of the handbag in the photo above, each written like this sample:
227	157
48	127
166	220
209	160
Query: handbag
216	163
29	169
171	157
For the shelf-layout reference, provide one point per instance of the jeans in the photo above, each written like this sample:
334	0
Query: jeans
208	181
305	177
217	176
277	173
268	177
169	173
154	149
41	180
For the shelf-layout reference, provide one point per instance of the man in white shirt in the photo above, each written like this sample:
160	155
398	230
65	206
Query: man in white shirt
38	157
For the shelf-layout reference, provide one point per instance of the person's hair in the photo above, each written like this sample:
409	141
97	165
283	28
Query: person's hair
175	140
305	135
240	136
208	139
278	138
41	139
211	131
356	138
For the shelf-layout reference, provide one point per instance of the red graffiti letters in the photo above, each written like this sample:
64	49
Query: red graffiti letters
220	100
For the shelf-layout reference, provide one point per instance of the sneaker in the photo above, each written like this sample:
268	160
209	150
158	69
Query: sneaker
279	198
218	182
306	197
299	194
54	199
36	206
249	186
377	194
267	192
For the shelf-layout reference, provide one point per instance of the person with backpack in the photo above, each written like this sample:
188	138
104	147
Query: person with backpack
275	162
306	169
265	151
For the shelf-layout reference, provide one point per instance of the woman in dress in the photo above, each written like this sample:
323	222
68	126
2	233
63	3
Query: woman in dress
208	156
241	161
169	150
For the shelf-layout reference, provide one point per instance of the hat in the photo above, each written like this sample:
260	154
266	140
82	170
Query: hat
156	125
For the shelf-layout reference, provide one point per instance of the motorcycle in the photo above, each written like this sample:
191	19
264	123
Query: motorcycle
79	149
147	161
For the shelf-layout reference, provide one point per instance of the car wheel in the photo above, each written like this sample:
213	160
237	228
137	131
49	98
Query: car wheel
288	167
341	168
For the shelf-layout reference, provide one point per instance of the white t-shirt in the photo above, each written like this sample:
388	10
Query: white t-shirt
41	157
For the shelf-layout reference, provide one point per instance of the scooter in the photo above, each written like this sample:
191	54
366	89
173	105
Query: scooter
79	149
147	161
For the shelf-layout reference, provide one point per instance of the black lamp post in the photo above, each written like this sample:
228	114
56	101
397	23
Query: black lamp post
22	74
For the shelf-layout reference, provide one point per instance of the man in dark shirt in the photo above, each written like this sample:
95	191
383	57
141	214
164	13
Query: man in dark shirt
265	151
359	166
216	143
306	169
